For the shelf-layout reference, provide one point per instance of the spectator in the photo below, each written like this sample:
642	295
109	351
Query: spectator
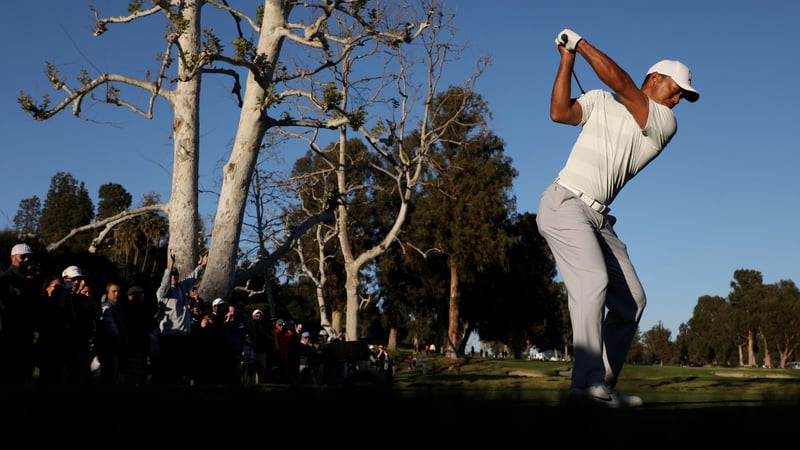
198	312
323	336
384	360
249	375
83	312
286	348
53	343
316	363
298	329
138	314
197	357
373	360
233	330
195	300
322	340
211	342
85	287
259	339
18	297
111	337
307	360
175	325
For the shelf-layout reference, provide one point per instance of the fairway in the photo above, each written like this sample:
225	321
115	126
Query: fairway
164	418
488	399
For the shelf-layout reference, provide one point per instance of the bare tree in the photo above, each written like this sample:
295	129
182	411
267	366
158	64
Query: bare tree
400	141
183	20
190	51
335	33
316	271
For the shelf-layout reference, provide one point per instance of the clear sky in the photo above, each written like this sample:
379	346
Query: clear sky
722	197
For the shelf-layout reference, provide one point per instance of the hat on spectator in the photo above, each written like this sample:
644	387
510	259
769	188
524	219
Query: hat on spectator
322	332
257	311
21	249
217	302
73	272
135	290
280	322
306	334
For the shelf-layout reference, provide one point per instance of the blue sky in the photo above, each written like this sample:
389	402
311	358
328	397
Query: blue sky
721	197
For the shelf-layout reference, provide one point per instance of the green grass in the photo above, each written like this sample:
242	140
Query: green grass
541	378
500	400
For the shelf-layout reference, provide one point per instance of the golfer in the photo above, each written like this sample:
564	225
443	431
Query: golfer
623	129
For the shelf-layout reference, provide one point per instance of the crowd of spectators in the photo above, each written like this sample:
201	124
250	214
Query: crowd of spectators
127	336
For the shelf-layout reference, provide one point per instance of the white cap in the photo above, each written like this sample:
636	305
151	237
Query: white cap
679	72
217	302
72	272
257	311
21	249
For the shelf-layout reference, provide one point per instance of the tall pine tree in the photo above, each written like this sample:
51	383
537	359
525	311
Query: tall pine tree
66	206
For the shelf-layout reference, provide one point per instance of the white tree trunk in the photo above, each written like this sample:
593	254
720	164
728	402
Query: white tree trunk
183	205
218	280
190	55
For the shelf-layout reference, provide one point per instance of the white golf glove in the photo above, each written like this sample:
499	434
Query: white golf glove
568	39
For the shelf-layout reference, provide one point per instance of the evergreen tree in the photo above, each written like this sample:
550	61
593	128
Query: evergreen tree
66	206
26	222
469	201
744	299
706	338
782	321
658	346
113	200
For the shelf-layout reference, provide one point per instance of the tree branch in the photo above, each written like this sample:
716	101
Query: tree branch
108	224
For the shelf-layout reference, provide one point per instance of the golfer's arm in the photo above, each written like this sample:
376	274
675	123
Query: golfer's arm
563	108
617	80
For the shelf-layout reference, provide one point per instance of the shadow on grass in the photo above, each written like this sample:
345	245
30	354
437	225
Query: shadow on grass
162	417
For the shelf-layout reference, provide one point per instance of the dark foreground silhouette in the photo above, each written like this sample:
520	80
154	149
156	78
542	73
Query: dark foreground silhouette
181	417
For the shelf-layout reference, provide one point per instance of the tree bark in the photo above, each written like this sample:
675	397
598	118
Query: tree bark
183	211
453	319
218	280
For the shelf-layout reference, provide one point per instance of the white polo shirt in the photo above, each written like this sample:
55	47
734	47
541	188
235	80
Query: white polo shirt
611	148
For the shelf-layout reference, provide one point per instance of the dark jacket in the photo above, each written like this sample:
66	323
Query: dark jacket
17	299
112	333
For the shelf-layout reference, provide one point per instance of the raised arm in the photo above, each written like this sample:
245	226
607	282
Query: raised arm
611	74
563	108
190	280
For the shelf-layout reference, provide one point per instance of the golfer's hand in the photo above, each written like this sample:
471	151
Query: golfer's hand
568	38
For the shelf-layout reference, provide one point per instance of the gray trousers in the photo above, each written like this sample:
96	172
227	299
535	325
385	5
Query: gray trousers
606	298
